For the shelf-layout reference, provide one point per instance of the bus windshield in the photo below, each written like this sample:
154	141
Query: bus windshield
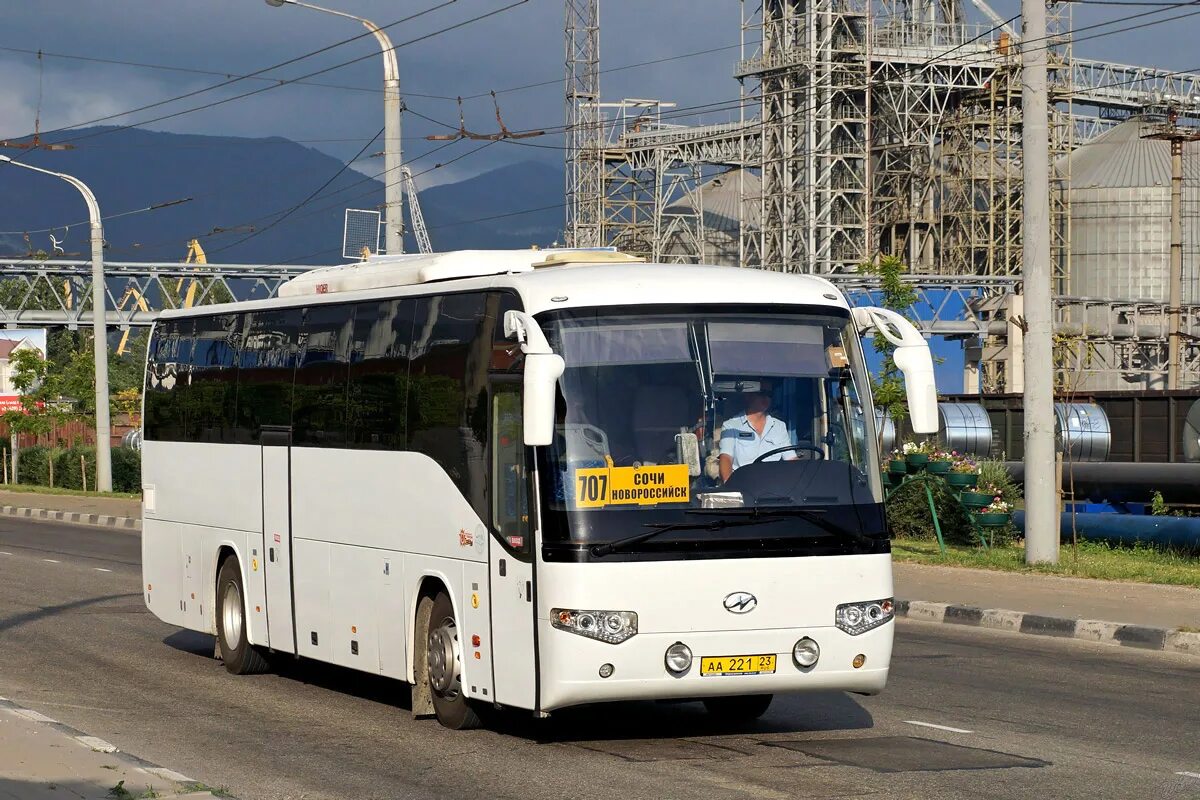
690	421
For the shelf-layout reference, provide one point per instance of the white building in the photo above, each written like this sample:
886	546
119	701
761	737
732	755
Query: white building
7	348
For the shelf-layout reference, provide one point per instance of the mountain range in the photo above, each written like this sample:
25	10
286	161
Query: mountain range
245	200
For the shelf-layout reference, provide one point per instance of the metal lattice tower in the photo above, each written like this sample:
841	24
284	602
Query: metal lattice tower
583	191
810	75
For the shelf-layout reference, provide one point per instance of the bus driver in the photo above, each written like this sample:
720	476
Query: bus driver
746	437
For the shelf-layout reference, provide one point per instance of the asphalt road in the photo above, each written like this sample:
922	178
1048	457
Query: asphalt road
1022	717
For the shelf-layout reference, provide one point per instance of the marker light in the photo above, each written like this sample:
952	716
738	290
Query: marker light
856	618
858	661
678	658
612	627
806	652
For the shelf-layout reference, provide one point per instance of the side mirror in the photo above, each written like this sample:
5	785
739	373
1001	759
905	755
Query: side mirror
542	371
913	359
543	367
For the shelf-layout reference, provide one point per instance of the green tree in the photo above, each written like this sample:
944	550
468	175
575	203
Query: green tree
887	386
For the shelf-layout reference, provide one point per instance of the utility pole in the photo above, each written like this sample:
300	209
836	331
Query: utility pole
99	326
1041	495
1171	132
393	181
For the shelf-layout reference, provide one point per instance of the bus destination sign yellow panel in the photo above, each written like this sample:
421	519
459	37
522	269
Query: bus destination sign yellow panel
642	486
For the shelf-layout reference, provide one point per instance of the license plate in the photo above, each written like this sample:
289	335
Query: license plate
737	665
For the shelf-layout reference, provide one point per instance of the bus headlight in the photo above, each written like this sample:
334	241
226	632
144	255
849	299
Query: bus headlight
856	618
613	627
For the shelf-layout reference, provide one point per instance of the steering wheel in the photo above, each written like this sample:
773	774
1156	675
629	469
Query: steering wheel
820	453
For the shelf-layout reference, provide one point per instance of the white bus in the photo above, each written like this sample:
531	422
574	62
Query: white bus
529	479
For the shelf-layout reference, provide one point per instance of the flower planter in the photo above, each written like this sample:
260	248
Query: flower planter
917	461
977	499
897	466
938	467
962	480
991	520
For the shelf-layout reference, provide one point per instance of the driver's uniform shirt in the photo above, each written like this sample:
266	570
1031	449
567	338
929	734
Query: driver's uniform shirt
743	444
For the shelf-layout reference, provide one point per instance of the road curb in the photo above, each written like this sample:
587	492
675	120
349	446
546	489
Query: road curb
185	787
1171	640
72	518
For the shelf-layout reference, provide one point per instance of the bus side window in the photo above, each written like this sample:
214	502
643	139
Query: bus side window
265	373
322	376
510	509
165	376
212	392
447	411
378	392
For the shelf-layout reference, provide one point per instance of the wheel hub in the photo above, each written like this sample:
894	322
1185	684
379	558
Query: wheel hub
231	614
443	659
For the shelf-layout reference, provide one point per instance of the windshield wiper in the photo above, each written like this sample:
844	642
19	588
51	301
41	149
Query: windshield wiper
812	515
661	528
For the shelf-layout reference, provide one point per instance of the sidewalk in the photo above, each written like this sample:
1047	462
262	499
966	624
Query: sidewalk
46	760
1132	614
1051	595
81	504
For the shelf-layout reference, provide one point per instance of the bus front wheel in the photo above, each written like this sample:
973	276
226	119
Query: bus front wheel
739	709
444	659
240	657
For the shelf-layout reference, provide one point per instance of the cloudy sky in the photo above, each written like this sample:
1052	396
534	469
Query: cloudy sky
520	46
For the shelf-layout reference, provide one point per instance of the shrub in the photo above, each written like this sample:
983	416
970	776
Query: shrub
33	465
127	470
908	513
68	471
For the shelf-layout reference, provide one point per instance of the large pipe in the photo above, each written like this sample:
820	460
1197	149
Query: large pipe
1182	532
1125	481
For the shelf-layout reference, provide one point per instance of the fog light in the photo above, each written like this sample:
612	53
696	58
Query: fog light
678	658
806	652
859	660
606	670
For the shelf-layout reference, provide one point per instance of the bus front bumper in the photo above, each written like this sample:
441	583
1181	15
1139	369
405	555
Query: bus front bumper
571	665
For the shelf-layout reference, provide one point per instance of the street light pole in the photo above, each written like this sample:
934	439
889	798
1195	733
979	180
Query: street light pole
99	326
393	186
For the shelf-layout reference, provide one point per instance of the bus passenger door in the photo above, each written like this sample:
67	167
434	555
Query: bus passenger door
511	554
277	535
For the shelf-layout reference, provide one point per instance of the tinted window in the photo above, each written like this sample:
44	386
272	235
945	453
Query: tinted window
212	385
322	377
447	410
379	373
268	359
166	369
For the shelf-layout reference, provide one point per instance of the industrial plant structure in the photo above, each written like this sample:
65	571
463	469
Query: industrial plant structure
869	127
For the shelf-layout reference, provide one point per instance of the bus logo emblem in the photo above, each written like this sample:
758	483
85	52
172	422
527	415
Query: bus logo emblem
740	603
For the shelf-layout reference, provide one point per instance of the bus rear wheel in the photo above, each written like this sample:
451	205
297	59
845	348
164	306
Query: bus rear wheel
444	658
240	657
739	709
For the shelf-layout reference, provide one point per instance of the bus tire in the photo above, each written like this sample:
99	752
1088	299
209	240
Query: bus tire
444	671
240	657
746	708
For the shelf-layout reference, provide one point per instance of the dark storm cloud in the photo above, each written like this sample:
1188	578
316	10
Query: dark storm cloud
521	46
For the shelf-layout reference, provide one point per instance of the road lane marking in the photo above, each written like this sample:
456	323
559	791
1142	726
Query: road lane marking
937	727
2	553
1189	774
101	569
51	560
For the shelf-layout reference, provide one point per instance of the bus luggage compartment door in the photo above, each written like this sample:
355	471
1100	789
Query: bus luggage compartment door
277	538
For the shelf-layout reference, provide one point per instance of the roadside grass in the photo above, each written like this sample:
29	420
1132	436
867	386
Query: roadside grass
25	488
1139	563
